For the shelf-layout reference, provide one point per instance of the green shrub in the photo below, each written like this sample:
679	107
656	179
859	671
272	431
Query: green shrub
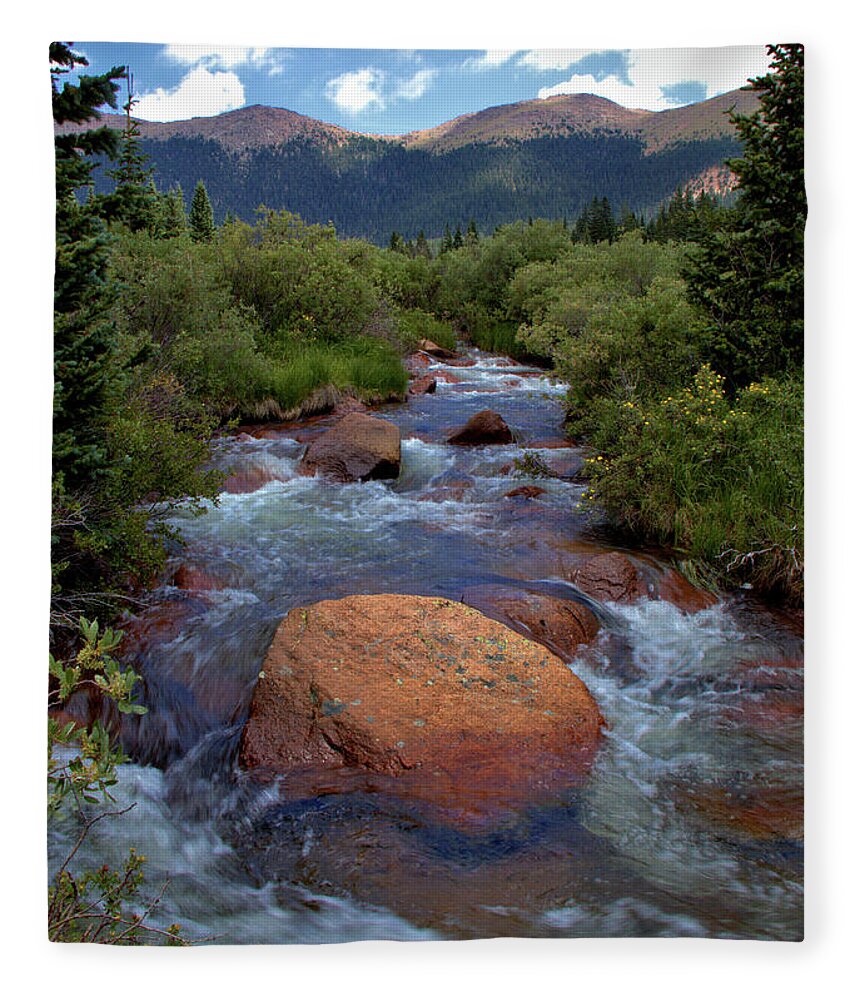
721	481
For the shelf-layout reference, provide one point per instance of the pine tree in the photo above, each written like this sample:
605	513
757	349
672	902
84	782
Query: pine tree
748	273
472	238
173	220
447	240
457	242
422	247
201	218
84	333
135	201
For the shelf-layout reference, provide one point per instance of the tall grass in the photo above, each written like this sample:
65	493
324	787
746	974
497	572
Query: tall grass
370	368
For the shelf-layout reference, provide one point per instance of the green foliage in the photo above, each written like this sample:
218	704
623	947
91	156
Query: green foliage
721	481
532	466
201	219
94	905
748	274
415	325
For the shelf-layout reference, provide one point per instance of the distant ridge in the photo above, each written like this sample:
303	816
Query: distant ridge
257	125
538	158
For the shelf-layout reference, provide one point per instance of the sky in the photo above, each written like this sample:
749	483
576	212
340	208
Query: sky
392	91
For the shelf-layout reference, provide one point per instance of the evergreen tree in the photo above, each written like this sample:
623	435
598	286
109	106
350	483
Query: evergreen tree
447	240
472	238
84	333
422	247
135	201
173	221
457	242
396	242
748	274
201	218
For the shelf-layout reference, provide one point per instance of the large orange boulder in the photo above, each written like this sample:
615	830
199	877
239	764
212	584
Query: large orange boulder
358	447
484	427
560	625
420	697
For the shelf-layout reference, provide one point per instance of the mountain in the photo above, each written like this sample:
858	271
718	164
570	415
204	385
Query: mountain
542	158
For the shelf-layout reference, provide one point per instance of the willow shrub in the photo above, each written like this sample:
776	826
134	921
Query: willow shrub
720	480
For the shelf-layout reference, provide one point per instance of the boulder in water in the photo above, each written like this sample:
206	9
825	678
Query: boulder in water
485	427
560	625
429	347
423	697
423	385
610	576
357	448
528	492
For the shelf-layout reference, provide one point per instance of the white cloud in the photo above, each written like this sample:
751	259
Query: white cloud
357	90
202	92
416	86
650	70
491	59
547	59
225	57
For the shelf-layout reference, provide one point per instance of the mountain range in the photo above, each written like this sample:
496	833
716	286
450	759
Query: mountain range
543	158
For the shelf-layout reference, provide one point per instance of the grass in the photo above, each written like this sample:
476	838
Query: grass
500	337
370	368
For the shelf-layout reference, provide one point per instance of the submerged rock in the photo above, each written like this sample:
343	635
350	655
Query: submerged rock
357	448
426	696
485	427
528	492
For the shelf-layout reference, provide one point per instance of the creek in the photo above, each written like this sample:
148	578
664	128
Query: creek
689	822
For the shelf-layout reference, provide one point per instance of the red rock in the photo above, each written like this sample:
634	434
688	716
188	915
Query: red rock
506	469
551	443
562	626
358	447
417	361
420	386
449	377
485	427
421	696
675	588
529	492
191	577
610	577
442	493
454	362
756	812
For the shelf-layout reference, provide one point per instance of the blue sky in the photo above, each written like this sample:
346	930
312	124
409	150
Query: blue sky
391	91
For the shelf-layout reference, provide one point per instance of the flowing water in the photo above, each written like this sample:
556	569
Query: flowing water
689	823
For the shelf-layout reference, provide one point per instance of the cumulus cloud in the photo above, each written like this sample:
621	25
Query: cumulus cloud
228	57
549	59
491	59
416	86
657	79
370	89
202	92
357	90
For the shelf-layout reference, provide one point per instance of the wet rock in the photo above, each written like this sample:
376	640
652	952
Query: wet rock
562	626
424	698
429	347
746	811
357	448
421	386
529	492
448	377
440	494
415	362
189	576
485	427
675	588
455	362
610	577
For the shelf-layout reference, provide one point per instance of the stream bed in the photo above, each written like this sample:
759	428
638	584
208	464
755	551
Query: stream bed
689	824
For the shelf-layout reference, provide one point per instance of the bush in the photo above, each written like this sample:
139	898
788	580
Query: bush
720	480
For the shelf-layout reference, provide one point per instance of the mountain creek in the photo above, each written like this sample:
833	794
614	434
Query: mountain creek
681	817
